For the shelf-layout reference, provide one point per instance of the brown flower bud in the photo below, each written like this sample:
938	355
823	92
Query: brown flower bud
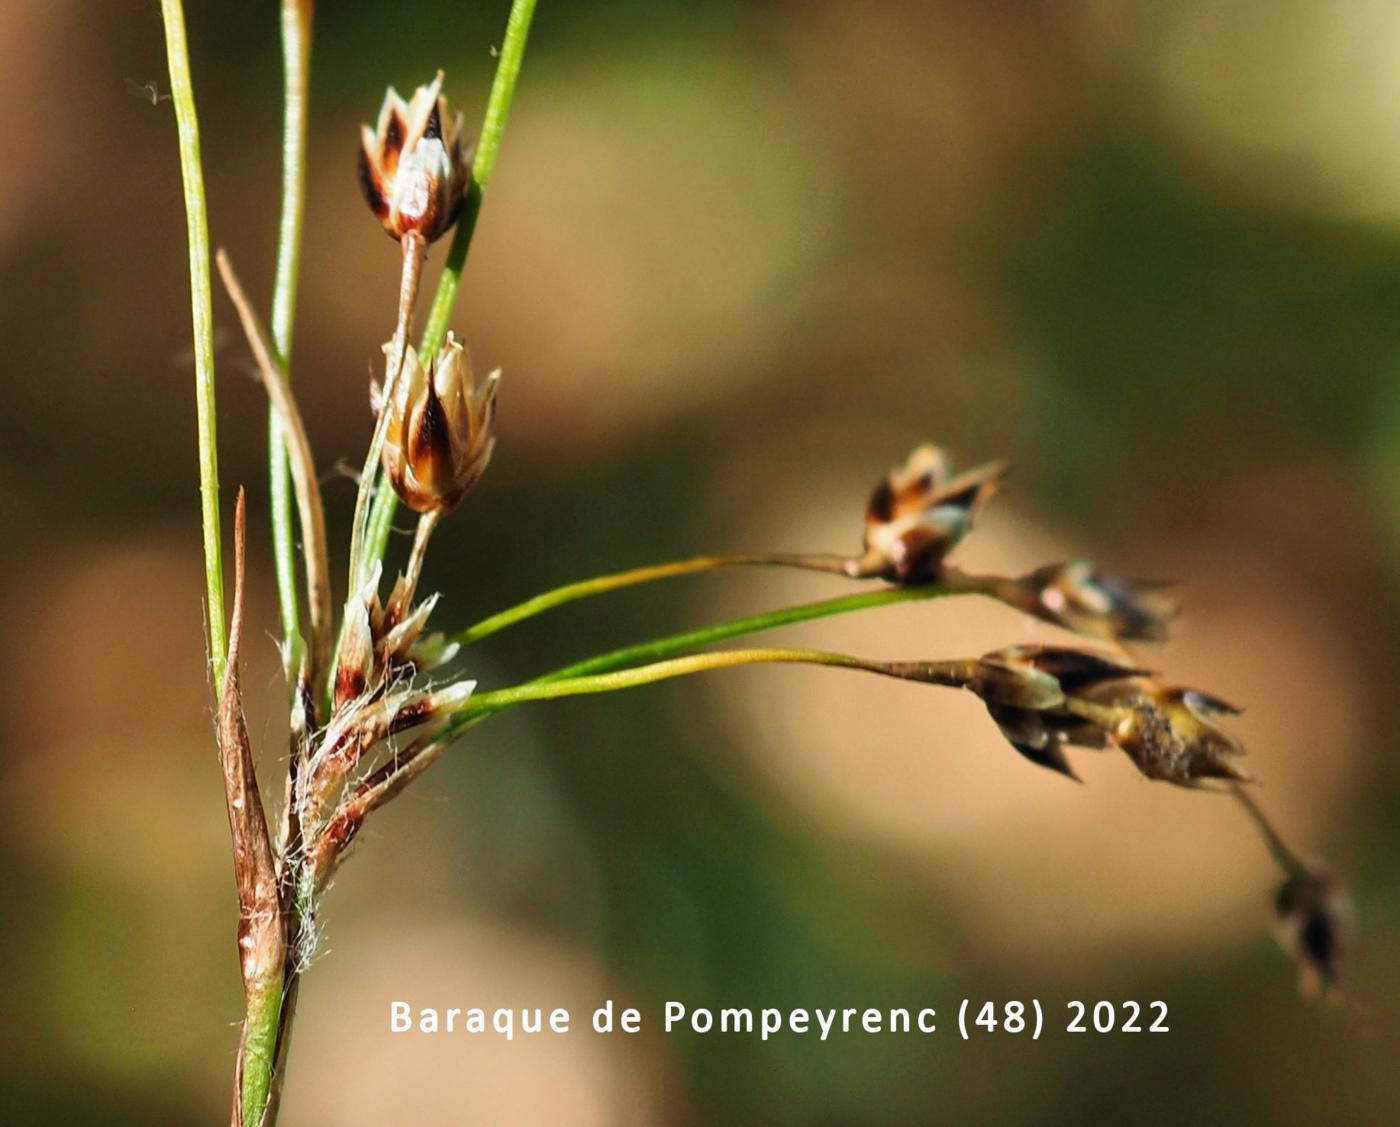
442	429
1080	597
1030	692
918	514
412	169
1315	925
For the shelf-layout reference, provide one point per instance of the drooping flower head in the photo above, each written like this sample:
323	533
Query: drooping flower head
442	428
412	169
1045	698
918	514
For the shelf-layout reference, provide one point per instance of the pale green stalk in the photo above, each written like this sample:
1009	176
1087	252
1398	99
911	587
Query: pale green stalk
617	581
393	777
202	314
296	63
738	627
381	517
950	673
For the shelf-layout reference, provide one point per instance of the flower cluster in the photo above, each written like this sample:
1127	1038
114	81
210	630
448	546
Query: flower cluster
375	694
442	428
413	172
1046	697
919	512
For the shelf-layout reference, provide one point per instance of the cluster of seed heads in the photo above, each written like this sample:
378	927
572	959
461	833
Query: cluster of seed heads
434	438
1047	698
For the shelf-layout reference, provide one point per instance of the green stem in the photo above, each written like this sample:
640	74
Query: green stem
391	778
602	584
263	1008
951	673
735	627
201	310
296	62
488	145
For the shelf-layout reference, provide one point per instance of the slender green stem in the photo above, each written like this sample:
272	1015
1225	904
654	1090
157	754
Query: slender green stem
201	309
488	145
951	673
296	63
587	588
736	627
392	777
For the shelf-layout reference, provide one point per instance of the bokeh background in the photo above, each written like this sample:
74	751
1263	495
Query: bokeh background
738	257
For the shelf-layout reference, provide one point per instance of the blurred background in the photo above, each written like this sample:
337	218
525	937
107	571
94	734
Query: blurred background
737	259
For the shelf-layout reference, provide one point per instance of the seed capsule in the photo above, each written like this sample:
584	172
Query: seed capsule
1032	691
412	169
442	429
1172	734
918	514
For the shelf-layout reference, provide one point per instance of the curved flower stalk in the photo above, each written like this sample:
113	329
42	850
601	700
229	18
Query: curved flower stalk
375	701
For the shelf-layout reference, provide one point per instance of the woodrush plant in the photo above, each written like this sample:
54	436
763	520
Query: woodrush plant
375	699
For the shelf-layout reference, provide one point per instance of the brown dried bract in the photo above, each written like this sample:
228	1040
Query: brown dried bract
262	932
